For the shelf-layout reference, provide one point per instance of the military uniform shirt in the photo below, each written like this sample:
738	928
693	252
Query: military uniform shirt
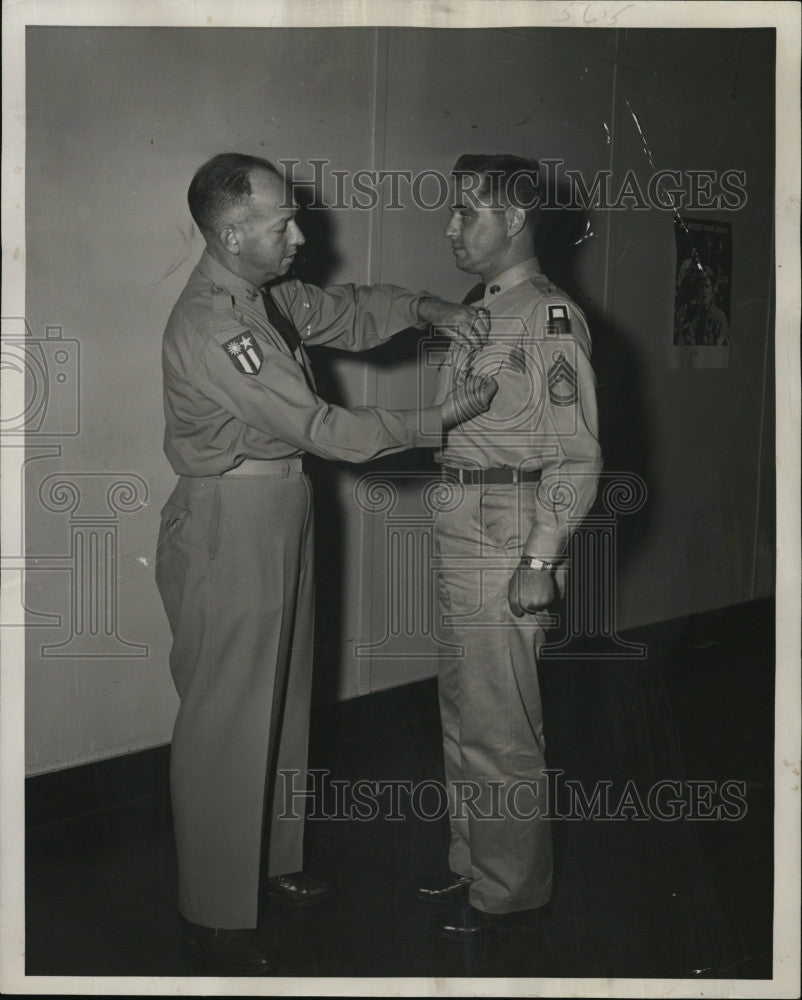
544	413
234	391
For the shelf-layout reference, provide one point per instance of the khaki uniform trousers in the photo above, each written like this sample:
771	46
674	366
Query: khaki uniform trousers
234	569
490	702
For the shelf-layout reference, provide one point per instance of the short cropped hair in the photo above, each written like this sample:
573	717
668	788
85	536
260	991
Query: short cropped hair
506	179
221	184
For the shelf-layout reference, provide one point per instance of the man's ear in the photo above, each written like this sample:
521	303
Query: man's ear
228	239
516	220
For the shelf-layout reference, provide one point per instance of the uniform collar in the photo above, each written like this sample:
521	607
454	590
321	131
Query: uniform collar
234	284
511	277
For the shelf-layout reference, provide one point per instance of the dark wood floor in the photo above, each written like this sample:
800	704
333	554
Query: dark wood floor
684	899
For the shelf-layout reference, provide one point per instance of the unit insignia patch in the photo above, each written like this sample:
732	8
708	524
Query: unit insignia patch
245	353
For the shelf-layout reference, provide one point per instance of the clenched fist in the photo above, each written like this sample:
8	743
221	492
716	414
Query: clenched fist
464	324
529	591
468	400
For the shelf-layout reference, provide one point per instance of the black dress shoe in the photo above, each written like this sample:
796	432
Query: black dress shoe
468	923
445	889
240	952
298	889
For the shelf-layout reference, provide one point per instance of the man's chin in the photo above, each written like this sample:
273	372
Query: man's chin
282	268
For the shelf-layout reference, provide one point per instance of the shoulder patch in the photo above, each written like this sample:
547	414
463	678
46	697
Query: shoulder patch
244	352
562	378
559	319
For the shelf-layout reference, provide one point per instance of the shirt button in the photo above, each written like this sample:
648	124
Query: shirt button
494	289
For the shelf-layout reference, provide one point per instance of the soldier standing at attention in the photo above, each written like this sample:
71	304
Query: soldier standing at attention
234	563
515	467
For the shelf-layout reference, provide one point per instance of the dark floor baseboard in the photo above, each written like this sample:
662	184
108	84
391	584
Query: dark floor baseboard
102	784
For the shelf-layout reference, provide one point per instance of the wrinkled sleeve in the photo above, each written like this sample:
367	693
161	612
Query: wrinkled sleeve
348	317
277	401
570	477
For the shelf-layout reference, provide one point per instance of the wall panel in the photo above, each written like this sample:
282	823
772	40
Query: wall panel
118	119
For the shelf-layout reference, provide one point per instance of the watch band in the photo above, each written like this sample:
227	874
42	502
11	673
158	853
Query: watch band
535	562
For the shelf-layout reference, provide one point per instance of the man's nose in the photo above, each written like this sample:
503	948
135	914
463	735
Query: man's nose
296	234
451	228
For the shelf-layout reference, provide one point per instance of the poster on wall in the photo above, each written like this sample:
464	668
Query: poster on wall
703	279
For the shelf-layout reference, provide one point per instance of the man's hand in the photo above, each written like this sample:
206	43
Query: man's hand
466	325
530	590
468	400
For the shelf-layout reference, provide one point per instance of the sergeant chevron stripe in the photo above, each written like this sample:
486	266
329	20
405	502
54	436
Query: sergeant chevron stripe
563	389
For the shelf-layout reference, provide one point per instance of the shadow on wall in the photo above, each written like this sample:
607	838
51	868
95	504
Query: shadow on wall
318	259
623	703
316	263
625	432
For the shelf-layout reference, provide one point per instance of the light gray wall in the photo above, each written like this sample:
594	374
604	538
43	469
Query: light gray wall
118	120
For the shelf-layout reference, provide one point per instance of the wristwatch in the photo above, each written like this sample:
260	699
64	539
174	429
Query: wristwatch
535	562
